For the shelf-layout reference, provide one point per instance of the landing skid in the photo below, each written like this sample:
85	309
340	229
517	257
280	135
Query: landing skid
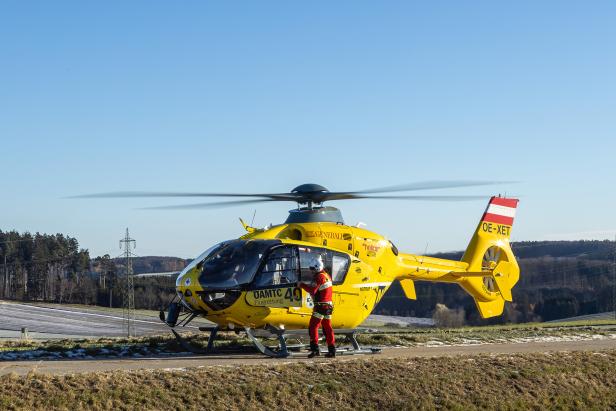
196	350
283	350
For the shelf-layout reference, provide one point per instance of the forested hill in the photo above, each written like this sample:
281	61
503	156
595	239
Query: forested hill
589	250
558	279
154	264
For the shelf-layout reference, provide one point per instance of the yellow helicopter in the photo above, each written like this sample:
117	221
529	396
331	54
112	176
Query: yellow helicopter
250	283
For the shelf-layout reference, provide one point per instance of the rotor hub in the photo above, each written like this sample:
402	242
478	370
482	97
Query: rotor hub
310	193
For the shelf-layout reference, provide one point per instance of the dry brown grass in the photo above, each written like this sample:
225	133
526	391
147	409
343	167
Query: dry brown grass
579	380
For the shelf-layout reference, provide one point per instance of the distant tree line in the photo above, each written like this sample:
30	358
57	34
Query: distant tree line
53	268
44	267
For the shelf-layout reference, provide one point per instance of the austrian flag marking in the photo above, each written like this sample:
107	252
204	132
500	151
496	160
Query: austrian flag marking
501	211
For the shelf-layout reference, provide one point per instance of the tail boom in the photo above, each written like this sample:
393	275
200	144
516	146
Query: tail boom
488	270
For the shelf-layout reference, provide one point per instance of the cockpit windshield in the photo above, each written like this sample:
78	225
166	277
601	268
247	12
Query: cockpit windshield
233	263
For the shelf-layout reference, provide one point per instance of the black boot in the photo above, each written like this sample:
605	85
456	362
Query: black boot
331	351
314	350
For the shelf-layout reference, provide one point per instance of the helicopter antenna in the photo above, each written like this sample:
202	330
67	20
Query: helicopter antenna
252	223
425	252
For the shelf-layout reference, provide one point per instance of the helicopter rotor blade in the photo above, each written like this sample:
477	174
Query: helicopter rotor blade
217	204
223	204
307	194
146	194
427	185
411	197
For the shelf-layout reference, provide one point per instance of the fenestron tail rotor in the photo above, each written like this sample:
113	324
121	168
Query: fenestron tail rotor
308	194
491	258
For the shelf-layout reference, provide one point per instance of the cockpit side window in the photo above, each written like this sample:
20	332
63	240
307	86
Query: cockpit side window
280	268
233	264
336	264
197	261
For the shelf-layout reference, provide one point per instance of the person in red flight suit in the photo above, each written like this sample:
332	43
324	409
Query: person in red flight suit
321	293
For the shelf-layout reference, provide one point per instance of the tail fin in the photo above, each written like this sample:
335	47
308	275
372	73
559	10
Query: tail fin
492	269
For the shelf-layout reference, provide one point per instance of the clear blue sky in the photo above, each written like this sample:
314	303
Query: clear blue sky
263	96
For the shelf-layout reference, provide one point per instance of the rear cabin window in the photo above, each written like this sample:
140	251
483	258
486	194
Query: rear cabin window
336	264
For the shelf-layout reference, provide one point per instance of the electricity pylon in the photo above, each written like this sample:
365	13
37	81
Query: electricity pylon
128	294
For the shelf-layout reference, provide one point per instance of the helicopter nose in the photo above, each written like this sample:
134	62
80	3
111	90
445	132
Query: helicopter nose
186	289
182	280
189	298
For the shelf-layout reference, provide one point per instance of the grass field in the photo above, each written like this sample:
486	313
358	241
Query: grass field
577	380
491	334
580	380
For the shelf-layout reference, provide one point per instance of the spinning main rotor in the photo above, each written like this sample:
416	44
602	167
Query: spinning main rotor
312	194
310	198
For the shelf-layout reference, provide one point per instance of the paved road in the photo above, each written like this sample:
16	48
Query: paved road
57	321
47	322
62	367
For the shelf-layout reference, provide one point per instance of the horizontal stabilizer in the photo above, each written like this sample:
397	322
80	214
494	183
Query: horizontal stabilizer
489	309
408	286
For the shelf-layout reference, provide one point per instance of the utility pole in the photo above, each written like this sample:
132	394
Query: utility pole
614	280
6	277
128	295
